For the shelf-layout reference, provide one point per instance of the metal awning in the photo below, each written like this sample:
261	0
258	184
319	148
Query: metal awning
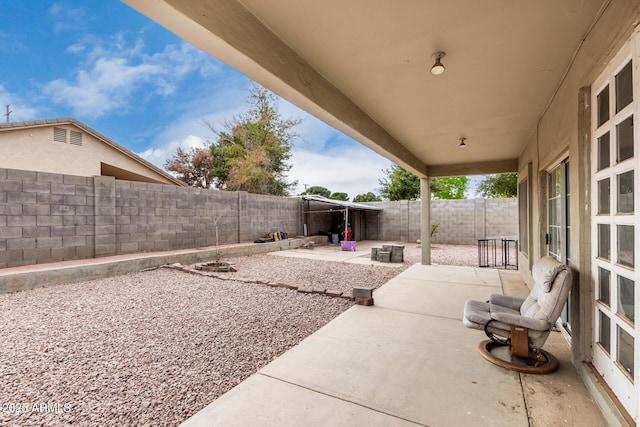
340	203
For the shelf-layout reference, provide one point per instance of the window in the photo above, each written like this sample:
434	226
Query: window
626	249
523	216
605	283
603	152
604	196
605	332
604	241
603	106
625	140
614	224
625	192
624	87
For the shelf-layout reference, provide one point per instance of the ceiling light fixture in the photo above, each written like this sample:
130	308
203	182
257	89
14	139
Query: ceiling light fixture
437	68
462	144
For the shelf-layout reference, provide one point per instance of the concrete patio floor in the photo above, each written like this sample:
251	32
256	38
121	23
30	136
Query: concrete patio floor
405	361
332	252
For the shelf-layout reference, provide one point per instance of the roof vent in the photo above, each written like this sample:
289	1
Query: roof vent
75	138
60	135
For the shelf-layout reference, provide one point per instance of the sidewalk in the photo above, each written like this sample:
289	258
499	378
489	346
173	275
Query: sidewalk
406	361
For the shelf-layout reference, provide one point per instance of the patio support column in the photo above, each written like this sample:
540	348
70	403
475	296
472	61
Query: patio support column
425	221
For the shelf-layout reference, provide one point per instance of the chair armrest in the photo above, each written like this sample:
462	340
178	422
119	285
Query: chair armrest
505	301
517	320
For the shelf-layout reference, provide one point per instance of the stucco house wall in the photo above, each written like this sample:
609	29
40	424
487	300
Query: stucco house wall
48	146
564	132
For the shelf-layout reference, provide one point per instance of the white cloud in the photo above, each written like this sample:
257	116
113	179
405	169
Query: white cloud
106	87
114	72
190	130
20	109
353	169
159	155
66	18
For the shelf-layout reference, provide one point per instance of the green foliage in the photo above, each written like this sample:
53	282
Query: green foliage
252	153
452	187
502	185
366	197
317	190
339	196
401	184
434	229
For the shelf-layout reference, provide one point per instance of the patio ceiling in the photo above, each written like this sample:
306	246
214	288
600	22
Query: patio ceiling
363	67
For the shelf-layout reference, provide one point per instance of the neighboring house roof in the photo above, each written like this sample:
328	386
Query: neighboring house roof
343	204
70	121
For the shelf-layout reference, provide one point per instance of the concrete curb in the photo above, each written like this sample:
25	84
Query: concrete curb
225	276
40	275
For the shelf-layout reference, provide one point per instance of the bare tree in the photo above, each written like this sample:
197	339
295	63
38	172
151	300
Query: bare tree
192	167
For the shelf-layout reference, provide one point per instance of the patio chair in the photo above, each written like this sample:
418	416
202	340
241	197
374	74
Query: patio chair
518	328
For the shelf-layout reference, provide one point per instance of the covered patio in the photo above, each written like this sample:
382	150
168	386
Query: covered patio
406	361
546	89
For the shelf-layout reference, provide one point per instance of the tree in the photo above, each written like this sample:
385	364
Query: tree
401	184
366	197
452	187
501	185
253	151
339	196
192	167
317	190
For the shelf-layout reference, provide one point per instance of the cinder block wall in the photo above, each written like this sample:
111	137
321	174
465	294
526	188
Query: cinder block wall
462	222
52	217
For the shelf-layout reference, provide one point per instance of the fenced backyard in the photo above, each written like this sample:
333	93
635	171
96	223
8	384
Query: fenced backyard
154	347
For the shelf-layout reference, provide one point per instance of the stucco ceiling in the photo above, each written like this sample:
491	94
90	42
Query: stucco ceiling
363	66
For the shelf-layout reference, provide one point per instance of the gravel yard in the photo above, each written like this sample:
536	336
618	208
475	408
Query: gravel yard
154	347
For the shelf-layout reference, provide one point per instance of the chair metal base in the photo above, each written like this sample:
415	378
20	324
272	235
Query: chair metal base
541	362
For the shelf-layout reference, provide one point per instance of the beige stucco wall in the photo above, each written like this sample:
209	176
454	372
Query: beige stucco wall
34	149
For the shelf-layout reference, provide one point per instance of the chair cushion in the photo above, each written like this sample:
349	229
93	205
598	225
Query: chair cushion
476	314
545	271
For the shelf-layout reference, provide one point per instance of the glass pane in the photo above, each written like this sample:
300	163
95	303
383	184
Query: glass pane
603	106
625	139
604	241
624	87
523	202
554	241
604	152
605	332
625	351
626	249
626	304
554	212
604	277
625	192
604	196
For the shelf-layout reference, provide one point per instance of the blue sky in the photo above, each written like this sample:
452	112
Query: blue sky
108	66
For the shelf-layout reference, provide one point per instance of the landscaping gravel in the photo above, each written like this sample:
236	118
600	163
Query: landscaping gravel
155	347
